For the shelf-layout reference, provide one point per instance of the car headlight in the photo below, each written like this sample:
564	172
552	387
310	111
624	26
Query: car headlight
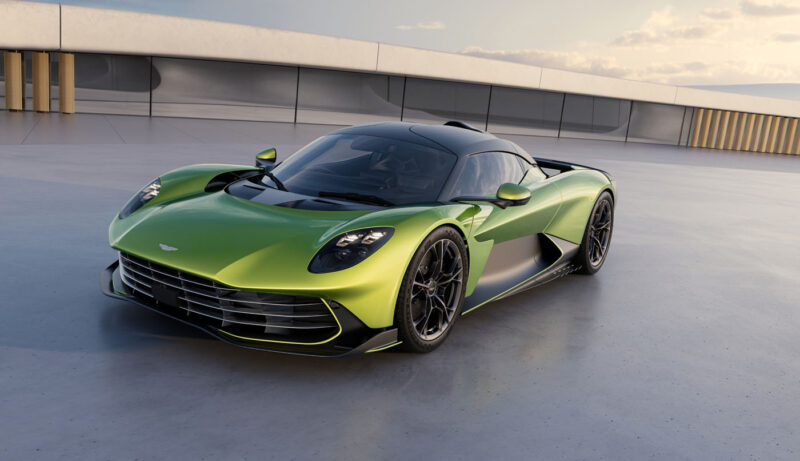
149	192
348	249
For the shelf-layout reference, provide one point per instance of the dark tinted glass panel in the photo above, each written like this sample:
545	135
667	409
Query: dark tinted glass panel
655	123
686	127
224	90
393	170
595	118
2	83
484	173
111	84
437	101
516	111
345	98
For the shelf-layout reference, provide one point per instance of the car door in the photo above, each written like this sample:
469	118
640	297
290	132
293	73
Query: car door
508	242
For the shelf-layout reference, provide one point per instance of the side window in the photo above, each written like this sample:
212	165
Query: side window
483	174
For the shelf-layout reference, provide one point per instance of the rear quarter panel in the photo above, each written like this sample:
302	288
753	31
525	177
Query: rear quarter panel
579	191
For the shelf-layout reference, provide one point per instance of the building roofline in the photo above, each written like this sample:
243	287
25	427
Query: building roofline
46	26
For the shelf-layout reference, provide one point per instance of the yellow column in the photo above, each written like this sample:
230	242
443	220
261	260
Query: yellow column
790	142
697	122
41	82
66	83
12	63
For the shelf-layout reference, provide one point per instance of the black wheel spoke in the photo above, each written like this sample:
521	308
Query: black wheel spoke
599	233
437	286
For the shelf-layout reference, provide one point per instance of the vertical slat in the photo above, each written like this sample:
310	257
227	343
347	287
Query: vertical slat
12	64
733	131
748	132
66	83
757	133
703	142
723	130
697	123
772	137
768	119
714	133
41	81
784	127
790	142
796	148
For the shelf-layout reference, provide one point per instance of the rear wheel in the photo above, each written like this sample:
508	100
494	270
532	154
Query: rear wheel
597	237
432	292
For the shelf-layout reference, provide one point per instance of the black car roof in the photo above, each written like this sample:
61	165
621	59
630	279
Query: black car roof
456	139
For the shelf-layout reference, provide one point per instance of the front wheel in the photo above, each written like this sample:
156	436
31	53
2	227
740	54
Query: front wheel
432	292
597	237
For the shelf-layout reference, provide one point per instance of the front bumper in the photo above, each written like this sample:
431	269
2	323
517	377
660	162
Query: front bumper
354	337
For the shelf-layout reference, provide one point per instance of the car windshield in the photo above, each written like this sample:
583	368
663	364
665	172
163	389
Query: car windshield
366	168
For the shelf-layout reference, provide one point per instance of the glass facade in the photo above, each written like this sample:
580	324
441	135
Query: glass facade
655	123
440	101
110	84
530	112
179	87
347	98
591	117
226	90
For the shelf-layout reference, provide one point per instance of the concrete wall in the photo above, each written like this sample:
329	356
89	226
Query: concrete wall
38	26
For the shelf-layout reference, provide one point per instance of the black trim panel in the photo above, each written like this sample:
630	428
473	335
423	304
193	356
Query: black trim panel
551	258
354	339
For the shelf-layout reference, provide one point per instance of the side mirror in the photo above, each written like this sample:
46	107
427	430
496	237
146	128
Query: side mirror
508	194
266	158
513	194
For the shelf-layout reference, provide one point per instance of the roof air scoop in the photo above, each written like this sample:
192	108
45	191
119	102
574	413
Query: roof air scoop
459	124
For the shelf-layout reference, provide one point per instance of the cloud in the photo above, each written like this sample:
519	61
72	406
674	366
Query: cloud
787	38
718	13
430	25
662	28
754	8
711	47
554	59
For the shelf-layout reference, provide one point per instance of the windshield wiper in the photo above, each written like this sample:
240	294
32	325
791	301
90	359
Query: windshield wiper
356	197
275	180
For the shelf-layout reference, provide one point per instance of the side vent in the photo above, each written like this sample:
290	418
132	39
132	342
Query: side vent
219	181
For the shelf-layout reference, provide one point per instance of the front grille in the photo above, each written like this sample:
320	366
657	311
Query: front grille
251	314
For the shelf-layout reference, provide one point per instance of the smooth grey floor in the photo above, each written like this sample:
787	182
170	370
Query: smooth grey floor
685	346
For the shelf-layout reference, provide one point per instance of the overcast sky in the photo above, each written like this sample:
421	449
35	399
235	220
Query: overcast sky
685	42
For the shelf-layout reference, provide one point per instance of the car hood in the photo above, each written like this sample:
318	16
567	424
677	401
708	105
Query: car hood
235	241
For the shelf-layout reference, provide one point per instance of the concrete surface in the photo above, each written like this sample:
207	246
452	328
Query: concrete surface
37	26
684	346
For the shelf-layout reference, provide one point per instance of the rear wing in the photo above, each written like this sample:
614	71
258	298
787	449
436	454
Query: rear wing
561	167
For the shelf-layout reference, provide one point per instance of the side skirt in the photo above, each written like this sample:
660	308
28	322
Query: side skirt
555	261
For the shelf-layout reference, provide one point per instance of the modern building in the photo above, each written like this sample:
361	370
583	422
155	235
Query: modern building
77	59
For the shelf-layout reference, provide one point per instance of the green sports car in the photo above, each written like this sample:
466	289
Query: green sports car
369	237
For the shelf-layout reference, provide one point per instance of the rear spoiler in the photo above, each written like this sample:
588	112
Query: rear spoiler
566	166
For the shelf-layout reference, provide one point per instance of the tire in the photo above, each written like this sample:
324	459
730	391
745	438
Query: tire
432	293
597	236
